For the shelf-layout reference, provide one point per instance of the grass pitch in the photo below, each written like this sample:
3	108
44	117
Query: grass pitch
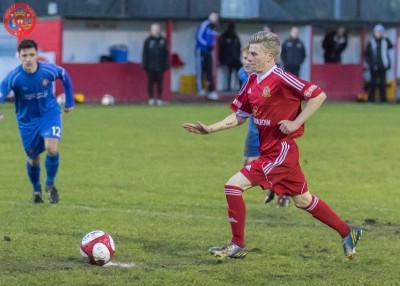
133	172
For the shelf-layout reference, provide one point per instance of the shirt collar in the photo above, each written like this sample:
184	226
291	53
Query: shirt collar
260	78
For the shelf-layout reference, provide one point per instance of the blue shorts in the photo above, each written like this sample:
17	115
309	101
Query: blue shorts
33	134
252	143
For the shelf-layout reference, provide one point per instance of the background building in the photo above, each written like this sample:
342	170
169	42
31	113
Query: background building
79	33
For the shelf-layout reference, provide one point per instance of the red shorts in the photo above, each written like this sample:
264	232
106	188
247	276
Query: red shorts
279	171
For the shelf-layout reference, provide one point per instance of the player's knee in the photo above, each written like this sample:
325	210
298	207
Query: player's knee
239	180
52	151
233	182
302	201
300	205
34	161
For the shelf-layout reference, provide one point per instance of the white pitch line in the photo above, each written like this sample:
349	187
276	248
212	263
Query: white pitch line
118	264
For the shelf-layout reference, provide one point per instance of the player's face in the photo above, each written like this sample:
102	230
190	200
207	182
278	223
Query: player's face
259	59
29	58
246	64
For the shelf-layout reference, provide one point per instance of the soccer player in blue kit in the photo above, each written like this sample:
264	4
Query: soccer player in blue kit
38	114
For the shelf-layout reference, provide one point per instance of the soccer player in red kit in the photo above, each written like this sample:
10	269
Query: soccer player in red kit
274	99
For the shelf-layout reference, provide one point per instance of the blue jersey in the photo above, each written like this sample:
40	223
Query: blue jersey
34	97
205	37
242	75
252	142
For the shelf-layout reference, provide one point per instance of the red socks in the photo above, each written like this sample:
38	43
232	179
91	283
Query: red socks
237	213
322	212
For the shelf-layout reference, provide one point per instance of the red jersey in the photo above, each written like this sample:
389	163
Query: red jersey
275	96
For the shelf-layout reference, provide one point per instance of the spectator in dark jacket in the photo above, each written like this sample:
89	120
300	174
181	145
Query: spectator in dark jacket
377	56
293	52
334	44
155	62
229	52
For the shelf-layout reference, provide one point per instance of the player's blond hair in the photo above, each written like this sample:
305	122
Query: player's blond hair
245	48
268	41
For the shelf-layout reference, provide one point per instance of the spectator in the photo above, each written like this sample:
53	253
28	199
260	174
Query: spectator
334	44
205	41
378	60
229	52
293	52
155	62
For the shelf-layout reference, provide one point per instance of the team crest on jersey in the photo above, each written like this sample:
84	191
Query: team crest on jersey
45	82
266	92
249	91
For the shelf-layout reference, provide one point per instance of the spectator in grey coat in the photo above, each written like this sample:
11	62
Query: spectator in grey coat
377	56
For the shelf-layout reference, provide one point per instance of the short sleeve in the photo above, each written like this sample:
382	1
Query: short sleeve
301	88
241	105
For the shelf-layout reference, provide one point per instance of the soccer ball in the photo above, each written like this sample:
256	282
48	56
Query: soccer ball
108	99
97	247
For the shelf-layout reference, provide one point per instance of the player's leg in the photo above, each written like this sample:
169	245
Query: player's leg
234	189
33	170
33	145
322	212
51	131
52	163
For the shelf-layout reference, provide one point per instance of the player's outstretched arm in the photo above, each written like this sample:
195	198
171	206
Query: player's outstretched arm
312	105
229	122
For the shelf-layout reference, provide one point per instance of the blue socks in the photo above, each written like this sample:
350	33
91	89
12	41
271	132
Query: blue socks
34	176
51	163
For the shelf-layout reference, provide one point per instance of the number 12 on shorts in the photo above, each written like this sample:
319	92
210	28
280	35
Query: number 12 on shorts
56	131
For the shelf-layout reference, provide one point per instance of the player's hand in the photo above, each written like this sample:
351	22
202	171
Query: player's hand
68	109
287	126
197	128
1	116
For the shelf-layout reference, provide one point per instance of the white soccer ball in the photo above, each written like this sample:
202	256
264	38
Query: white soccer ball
97	247
108	99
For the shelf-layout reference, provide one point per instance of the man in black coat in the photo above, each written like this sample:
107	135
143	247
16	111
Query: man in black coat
293	52
155	62
377	56
334	44
230	52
